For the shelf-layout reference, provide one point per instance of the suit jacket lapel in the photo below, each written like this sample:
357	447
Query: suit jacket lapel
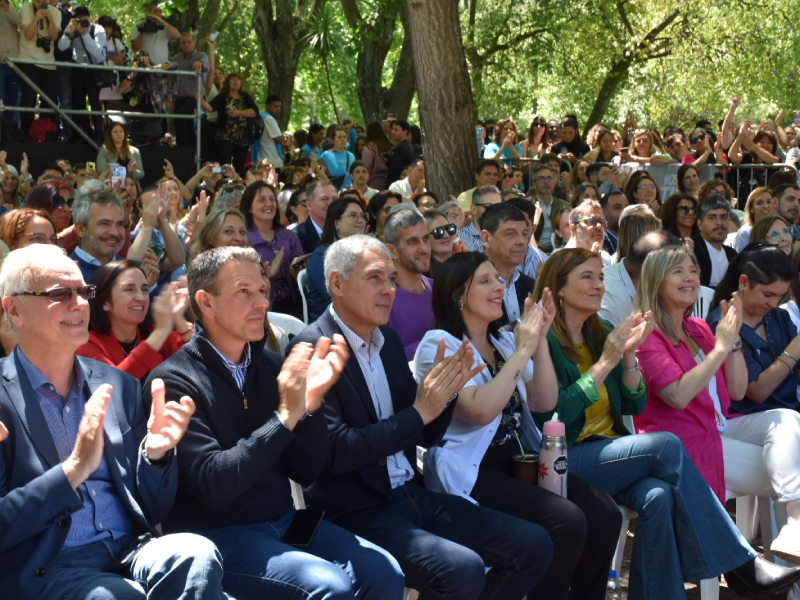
23	398
352	369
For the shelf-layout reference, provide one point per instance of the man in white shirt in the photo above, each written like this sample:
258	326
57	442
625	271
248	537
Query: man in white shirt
271	138
359	175
153	35
622	279
414	183
713	214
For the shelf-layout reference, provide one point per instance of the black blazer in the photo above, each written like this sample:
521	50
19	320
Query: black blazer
356	478
704	260
523	287
309	238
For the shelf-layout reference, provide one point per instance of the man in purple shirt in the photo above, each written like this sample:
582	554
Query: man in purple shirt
406	235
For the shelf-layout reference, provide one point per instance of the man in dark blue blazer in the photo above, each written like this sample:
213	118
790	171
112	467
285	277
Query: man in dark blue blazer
376	416
83	477
319	196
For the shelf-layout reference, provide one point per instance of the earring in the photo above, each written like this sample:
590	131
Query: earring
460	305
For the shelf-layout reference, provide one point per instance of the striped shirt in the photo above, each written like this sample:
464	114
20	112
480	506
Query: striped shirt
238	371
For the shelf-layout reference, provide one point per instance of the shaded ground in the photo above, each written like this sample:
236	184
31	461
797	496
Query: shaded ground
692	590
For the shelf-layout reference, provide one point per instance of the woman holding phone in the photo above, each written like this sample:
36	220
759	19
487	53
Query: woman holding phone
117	151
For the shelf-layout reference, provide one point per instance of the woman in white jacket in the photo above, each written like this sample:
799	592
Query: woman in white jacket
492	421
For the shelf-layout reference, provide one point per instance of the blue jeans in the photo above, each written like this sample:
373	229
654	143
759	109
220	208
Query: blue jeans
442	542
174	566
337	564
9	91
683	532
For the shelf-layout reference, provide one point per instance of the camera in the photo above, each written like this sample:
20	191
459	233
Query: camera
151	26
85	23
43	43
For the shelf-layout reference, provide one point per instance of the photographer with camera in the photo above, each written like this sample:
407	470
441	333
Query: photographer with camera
153	35
88	44
39	25
9	46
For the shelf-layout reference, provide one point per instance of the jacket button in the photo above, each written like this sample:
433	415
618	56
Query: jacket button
40	572
166	482
62	523
382	462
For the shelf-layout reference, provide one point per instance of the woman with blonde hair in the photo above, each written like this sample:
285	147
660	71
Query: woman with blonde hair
644	150
117	150
759	205
631	228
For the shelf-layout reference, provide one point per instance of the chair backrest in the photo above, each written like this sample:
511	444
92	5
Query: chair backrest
704	297
302	283
291	325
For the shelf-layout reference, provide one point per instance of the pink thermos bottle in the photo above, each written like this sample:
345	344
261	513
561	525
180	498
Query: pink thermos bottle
553	464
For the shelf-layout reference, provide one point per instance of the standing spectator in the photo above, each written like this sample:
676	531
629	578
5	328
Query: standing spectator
414	181
88	47
151	89
338	159
186	86
153	34
39	26
313	146
9	46
359	173
378	145
403	152
117	54
117	150
233	106
271	139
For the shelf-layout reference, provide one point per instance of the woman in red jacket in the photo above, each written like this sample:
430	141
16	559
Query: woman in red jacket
121	331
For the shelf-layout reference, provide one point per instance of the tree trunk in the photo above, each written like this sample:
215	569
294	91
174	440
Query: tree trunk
330	88
615	75
444	96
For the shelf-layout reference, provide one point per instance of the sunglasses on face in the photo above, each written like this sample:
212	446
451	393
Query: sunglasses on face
438	232
699	138
776	235
508	177
233	188
594	221
62	294
687	210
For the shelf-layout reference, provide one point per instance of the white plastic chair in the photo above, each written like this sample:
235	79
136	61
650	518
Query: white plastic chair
291	325
704	297
302	283
297	495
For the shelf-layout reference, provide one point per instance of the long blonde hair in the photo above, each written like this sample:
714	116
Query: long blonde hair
648	298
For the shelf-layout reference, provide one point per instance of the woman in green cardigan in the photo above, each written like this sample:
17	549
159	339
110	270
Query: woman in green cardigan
683	532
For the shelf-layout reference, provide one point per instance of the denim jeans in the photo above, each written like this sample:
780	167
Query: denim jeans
174	566
444	544
9	92
337	564
683	532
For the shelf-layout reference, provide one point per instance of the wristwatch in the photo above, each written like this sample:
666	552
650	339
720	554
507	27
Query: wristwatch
736	346
633	368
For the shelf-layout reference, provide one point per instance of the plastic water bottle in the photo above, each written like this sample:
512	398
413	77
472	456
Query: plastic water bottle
612	588
553	465
479	135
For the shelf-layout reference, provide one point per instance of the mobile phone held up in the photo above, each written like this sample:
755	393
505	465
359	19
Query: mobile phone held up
303	528
214	35
218	170
118	175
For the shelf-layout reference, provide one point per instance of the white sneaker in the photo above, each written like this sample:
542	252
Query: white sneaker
787	544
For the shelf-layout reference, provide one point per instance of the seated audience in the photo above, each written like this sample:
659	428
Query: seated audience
612	204
84	470
359	174
776	231
534	258
126	330
642	189
560	225
100	225
425	202
54	197
492	424
407	238
278	247
443	235
25	226
378	211
581	192
587	225
482	198
696	538
296	209
759	205
679	216
688	180
694	376
713	256
414	181
345	218
541	192
377	415
504	144
319	196
259	422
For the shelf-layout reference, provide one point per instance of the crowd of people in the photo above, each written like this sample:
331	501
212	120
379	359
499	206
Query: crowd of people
154	414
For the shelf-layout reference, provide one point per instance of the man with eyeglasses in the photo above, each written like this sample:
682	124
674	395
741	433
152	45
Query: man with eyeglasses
542	186
587	225
319	196
83	471
505	234
406	236
487	172
713	256
482	198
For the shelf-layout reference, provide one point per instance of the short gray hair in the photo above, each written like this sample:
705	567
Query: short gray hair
84	202
92	185
584	207
203	270
342	255
444	208
484	190
227	199
28	264
399	220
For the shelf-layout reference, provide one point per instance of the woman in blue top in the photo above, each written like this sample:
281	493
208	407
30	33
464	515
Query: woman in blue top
762	274
338	160
344	218
505	144
316	133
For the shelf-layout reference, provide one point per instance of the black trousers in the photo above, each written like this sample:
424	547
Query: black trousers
46	81
184	128
230	153
584	528
83	86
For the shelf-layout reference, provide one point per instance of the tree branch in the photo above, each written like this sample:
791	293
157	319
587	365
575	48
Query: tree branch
512	42
624	17
228	16
351	13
